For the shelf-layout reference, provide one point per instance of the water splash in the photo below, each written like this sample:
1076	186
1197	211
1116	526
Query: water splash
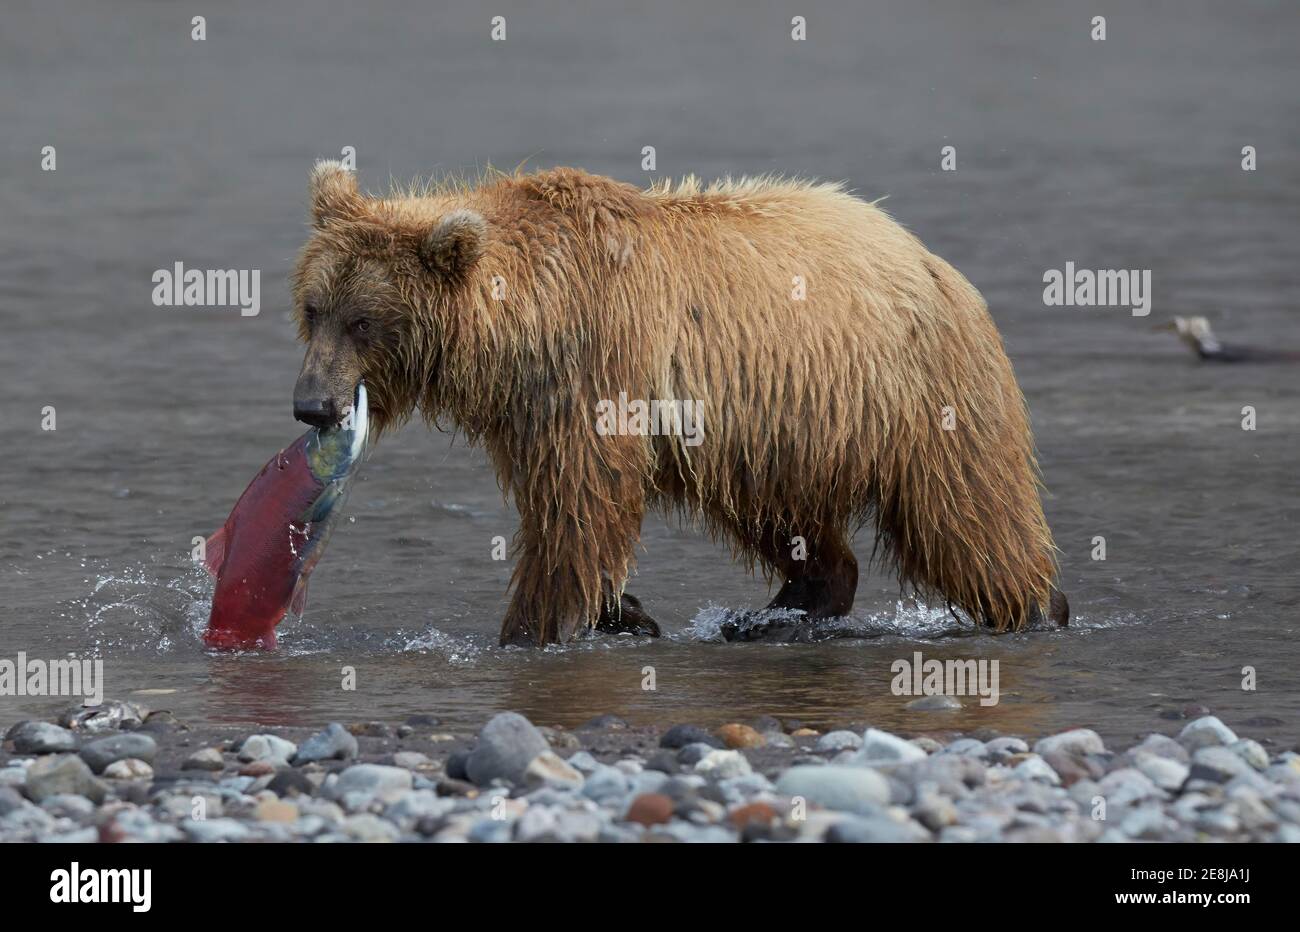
909	619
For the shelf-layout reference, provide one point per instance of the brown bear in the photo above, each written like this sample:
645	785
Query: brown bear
841	373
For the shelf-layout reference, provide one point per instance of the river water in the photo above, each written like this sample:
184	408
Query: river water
1117	154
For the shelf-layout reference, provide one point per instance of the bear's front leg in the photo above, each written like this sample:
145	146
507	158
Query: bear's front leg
580	519
624	614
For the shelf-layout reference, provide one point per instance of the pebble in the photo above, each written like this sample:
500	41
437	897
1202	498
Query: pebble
130	768
333	743
1035	768
1164	746
679	736
1127	786
880	747
506	746
413	760
760	813
650	809
212	831
275	810
1164	772
365	826
740	736
692	754
209	759
1217	764
291	783
101	752
839	741
968	747
269	748
584	762
362	783
1003	748
847	789
934	704
41	738
1206	731
1252	752
606	783
1077	741
875	829
55	774
549	769
722	765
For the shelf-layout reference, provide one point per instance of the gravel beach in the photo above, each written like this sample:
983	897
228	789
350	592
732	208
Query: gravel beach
119	772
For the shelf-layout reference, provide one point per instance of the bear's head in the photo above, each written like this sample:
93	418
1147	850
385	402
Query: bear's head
372	290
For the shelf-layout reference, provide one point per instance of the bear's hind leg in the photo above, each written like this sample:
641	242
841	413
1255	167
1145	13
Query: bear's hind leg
821	585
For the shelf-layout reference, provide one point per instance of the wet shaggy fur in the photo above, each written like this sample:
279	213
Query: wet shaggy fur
509	308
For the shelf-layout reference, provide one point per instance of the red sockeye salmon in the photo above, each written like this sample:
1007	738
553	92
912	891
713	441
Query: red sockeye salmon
264	553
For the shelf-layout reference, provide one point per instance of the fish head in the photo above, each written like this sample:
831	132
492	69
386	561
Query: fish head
334	452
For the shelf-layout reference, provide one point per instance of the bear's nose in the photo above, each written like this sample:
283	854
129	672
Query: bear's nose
318	412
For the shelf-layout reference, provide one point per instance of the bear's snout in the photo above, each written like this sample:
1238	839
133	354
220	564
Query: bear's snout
318	412
313	401
327	382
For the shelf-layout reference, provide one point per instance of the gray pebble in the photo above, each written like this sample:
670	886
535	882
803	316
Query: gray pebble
42	738
839	741
606	783
208	759
55	774
271	748
1035	768
723	765
1164	772
874	830
846	789
1076	741
1217	764
103	751
363	782
880	747
333	743
1206	731
1252	752
506	746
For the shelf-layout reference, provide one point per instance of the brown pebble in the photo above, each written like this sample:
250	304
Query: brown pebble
740	736
760	812
1072	767
257	768
651	809
805	733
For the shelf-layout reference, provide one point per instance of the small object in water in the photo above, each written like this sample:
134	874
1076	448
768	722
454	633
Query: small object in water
1195	332
264	553
109	716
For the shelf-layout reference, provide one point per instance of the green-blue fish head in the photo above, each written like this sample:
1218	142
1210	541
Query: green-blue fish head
335	451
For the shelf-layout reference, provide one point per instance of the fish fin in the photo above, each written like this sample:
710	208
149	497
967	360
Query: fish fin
299	600
214	551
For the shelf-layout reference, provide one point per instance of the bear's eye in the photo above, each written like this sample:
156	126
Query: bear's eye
361	326
310	313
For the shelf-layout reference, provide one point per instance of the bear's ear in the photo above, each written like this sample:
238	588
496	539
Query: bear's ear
334	194
455	243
